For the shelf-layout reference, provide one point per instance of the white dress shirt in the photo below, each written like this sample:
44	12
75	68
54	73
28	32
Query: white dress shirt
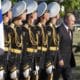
67	28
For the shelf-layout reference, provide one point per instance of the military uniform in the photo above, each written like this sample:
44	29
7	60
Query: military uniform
29	42
42	48
42	44
29	48
7	35
52	45
6	7
53	40
16	40
42	38
16	50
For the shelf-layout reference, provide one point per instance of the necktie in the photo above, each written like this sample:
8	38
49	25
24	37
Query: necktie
69	32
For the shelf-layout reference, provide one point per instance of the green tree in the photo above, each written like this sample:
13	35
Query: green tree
13	1
71	5
48	1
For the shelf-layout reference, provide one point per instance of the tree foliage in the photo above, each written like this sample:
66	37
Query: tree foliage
71	5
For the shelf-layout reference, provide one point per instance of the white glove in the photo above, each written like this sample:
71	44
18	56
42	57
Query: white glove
37	69
2	74
53	67
26	73
14	74
49	69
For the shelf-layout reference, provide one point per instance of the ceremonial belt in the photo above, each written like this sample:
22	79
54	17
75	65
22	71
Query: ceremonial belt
31	50
6	49
16	51
54	48
39	47
44	49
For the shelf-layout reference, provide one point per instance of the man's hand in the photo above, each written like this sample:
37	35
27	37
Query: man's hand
61	63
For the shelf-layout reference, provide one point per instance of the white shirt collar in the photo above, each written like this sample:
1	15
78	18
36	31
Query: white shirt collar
66	26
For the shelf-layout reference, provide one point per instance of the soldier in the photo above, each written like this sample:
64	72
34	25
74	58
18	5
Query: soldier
7	15
29	41
19	14
53	50
43	17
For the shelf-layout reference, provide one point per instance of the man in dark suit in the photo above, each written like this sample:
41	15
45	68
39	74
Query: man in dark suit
66	58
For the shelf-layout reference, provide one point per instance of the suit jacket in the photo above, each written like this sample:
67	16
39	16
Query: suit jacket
65	46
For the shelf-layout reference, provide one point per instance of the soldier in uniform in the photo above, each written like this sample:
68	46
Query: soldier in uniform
7	15
53	39
19	14
29	42
43	17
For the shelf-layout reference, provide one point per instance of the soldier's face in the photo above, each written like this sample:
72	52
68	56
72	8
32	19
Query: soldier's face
34	15
46	16
10	14
54	20
23	16
58	16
